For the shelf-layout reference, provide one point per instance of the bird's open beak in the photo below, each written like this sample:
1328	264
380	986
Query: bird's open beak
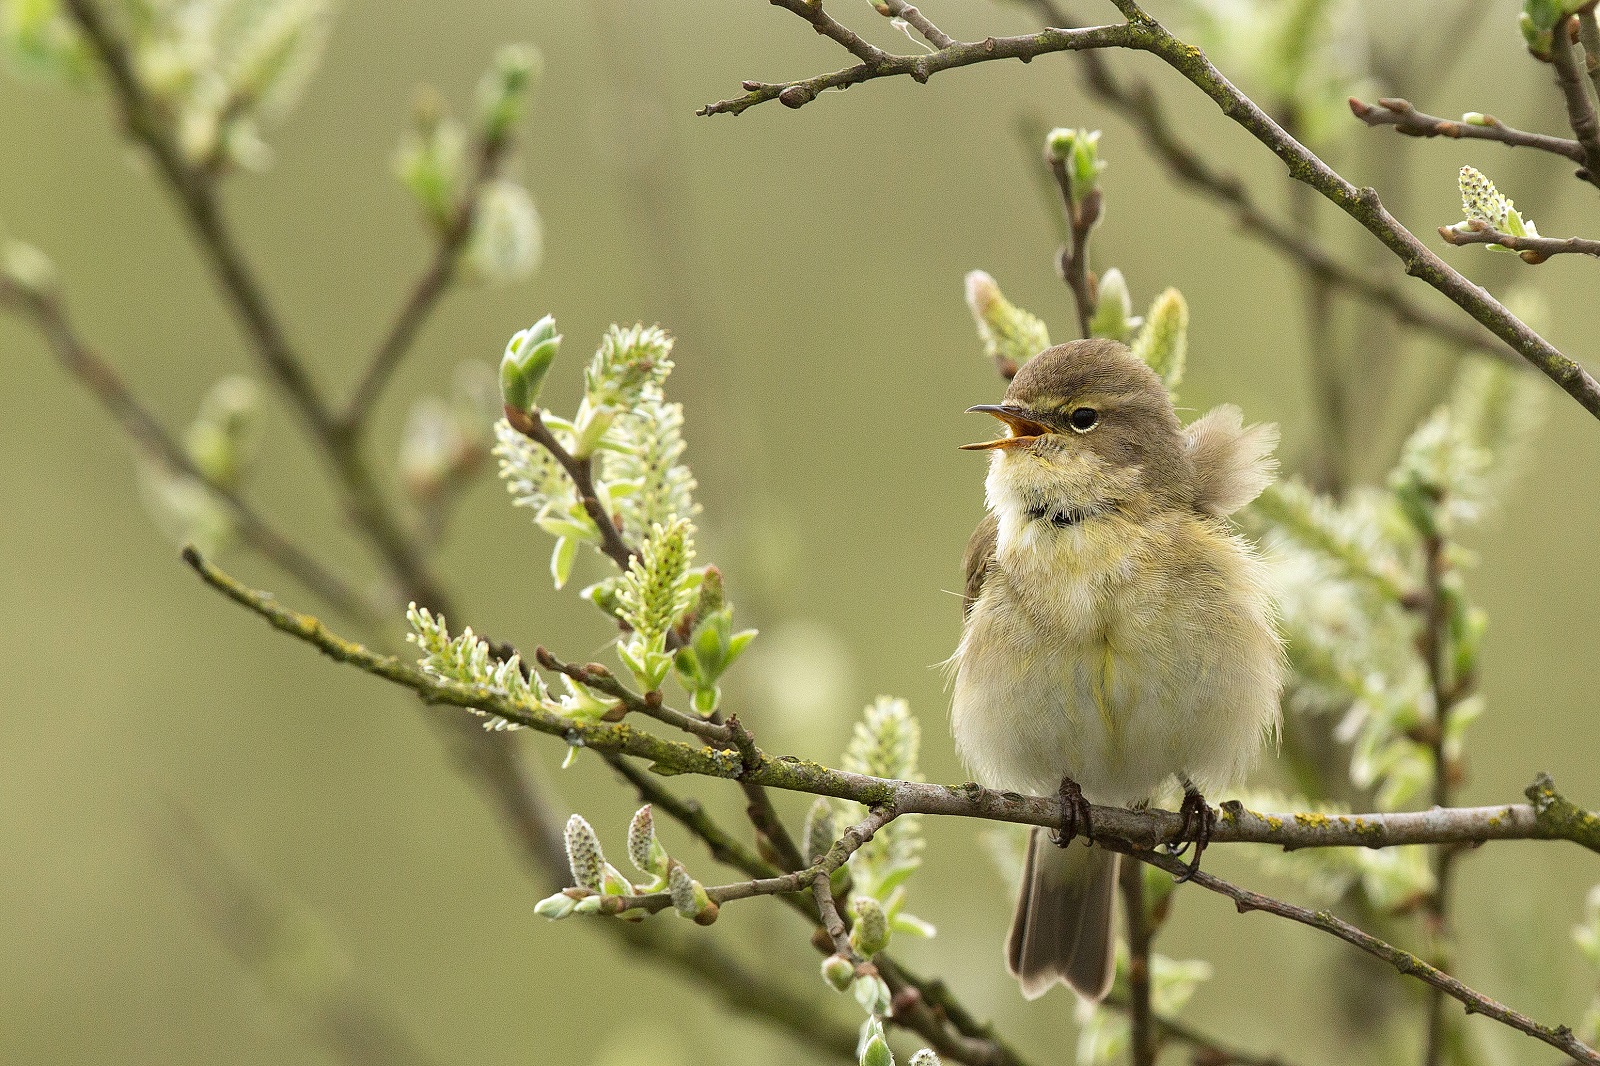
1024	430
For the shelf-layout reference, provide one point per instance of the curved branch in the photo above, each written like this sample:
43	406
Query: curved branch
1531	249
1143	33
1548	817
1406	119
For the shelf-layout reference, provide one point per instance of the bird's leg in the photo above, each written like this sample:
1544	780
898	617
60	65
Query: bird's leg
1198	822
1074	814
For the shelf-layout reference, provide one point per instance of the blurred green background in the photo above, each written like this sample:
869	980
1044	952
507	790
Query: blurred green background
810	264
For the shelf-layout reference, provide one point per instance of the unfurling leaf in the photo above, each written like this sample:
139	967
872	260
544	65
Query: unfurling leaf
527	360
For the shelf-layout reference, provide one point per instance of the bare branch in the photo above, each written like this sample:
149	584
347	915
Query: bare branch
1531	249
923	67
1143	33
48	314
425	295
1406	119
1559	1037
1580	108
916	20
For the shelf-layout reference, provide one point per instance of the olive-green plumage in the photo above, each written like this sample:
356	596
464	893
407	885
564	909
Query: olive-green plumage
1118	632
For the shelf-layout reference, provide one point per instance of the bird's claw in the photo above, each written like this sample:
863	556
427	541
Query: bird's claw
1198	822
1075	816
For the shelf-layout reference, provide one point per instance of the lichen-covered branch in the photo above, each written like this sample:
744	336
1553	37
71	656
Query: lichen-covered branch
1143	33
1549	818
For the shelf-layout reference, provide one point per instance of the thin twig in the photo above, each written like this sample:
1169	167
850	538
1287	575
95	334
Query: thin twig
1137	102
1558	1036
425	295
1589	36
196	192
1073	260
49	316
1143	33
1406	119
1548	816
1575	93
581	471
1533	250
899	9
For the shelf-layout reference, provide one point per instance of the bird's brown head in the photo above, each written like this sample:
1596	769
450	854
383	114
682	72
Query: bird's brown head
1089	424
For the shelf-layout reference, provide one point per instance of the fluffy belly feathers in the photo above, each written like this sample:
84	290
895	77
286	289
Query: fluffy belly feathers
1105	656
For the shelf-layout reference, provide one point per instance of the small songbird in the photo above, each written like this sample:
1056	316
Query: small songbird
1118	633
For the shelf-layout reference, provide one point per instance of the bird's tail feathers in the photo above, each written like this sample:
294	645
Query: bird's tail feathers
1062	927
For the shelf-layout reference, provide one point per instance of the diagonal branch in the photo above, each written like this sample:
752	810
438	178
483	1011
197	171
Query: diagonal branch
49	316
1137	102
429	289
1143	33
1406	119
1559	1036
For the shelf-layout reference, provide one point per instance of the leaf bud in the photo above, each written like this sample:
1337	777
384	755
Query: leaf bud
877	1052
689	896
821	830
839	972
528	356
1113	309
555	907
503	91
1079	152
870	933
222	439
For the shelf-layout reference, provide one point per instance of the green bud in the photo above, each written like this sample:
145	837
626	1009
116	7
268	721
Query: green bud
644	848
223	437
870	933
877	1052
821	830
588	905
612	883
1079	152
1010	335
27	268
1164	342
839	972
431	161
873	995
528	356
584	854
712	595
689	896
1113	309
1475	118
503	91
555	907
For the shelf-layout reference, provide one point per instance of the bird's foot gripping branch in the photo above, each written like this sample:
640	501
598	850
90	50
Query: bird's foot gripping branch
612	477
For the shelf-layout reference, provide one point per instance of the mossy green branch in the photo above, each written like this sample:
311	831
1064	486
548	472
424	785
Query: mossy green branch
1550	817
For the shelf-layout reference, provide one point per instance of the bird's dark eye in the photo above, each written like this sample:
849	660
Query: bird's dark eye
1083	419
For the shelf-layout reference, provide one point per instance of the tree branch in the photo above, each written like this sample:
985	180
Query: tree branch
49	316
1143	33
1559	1037
1580	108
581	472
1533	250
1406	119
425	295
1137	102
899	9
1547	817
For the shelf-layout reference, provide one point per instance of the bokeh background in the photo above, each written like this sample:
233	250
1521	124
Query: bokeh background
810	264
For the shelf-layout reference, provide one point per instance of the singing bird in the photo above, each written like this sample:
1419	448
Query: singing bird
1119	634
